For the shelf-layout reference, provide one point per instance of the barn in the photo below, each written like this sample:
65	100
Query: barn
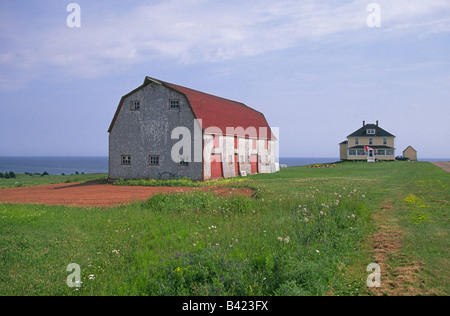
162	130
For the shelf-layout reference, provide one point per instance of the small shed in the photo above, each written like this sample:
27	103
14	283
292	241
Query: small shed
410	153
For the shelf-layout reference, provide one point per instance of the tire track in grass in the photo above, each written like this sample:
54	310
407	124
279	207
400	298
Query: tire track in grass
400	275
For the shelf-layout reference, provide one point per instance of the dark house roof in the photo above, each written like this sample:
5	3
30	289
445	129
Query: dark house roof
379	132
216	111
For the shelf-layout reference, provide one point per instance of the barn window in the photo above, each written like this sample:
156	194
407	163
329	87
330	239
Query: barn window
253	143
126	160
174	104
135	105
236	142
154	160
183	162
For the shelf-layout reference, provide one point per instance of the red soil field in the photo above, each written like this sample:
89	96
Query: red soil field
92	194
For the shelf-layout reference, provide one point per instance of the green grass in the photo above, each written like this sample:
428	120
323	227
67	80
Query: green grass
304	232
183	182
25	180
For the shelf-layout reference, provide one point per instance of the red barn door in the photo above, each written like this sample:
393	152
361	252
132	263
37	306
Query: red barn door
254	163
216	166
236	164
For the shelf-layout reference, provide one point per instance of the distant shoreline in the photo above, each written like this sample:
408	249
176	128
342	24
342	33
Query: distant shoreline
57	165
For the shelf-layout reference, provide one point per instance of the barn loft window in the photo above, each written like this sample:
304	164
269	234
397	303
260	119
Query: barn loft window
135	105
174	104
126	160
154	160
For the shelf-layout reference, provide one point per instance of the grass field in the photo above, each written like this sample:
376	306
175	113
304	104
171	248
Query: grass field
305	231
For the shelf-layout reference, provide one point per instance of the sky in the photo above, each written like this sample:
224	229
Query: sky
316	69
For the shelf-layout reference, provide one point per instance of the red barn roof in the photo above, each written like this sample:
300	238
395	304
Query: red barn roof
217	112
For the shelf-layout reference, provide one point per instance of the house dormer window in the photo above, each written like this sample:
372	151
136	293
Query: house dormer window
370	131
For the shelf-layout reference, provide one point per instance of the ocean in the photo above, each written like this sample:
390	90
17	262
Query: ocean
68	165
54	165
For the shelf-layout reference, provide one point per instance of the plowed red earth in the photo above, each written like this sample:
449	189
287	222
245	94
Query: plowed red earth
94	194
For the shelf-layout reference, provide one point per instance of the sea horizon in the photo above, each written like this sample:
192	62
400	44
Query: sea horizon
57	165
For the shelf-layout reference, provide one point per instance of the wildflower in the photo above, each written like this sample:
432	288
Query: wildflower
321	213
306	220
91	277
287	239
363	196
280	239
317	251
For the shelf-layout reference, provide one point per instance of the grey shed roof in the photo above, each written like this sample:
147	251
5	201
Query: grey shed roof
362	132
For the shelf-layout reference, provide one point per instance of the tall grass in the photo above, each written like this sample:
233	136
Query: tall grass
185	244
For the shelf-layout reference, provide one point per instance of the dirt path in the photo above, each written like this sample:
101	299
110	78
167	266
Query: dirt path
94	194
443	164
400	275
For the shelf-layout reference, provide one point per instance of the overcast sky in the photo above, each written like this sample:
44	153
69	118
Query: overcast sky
314	68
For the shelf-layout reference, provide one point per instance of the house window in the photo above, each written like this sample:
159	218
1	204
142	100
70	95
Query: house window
356	141
381	152
352	152
360	152
153	160
135	105
370	131
126	160
389	152
384	141
174	104
183	162
370	141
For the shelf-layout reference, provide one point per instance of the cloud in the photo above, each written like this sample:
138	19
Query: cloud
197	31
